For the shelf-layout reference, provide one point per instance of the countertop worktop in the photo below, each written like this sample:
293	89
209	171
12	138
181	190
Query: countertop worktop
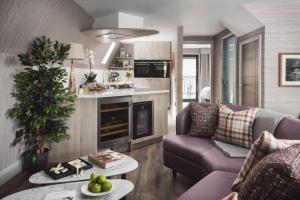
121	92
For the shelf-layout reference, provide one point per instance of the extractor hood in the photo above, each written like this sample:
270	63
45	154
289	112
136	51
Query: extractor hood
119	26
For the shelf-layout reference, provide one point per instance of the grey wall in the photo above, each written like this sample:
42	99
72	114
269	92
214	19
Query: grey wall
20	22
282	34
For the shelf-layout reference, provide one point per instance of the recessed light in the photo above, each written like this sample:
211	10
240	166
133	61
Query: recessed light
112	36
108	53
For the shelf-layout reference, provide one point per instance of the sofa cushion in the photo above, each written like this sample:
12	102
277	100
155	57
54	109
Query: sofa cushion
203	152
236	127
275	177
204	119
266	144
214	186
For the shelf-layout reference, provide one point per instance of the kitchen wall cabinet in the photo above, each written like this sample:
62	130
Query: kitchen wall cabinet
152	50
154	83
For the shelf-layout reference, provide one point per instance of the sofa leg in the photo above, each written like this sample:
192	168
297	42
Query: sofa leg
174	173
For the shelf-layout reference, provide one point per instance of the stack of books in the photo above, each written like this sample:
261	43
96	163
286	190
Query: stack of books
106	159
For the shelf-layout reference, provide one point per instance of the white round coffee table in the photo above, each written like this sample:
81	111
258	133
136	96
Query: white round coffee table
128	165
122	188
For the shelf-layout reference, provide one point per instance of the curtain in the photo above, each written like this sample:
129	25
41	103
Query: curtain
204	75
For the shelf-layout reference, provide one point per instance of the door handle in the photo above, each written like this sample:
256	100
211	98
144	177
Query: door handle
242	84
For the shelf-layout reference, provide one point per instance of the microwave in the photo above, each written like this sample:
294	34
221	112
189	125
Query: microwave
152	69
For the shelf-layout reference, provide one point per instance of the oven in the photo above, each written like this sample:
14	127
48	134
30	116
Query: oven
151	68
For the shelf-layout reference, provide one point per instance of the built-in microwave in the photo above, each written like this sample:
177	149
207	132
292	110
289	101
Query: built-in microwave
151	68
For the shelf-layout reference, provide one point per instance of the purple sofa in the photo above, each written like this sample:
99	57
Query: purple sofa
199	158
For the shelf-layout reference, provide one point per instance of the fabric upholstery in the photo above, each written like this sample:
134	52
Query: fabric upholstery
265	145
214	186
183	118
266	120
183	121
288	128
236	127
203	152
204	120
276	176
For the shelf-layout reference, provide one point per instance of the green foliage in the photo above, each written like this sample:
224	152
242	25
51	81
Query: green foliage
90	78
43	102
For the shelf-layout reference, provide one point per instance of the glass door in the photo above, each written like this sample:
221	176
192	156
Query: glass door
228	70
190	78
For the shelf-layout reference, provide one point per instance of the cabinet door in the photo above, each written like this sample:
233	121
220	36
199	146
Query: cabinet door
143	82
142	50
161	83
152	50
161	50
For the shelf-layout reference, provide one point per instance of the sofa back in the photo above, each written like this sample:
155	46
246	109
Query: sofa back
285	128
288	128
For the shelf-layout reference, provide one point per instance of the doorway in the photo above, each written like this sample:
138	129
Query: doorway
250	72
190	78
228	72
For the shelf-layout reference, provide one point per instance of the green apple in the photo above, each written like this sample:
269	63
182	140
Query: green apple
106	187
101	179
94	176
96	188
91	186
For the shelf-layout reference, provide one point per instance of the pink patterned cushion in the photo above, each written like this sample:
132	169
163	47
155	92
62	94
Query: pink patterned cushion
263	146
236	127
276	176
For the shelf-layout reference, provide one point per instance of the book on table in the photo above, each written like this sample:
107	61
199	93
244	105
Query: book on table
106	159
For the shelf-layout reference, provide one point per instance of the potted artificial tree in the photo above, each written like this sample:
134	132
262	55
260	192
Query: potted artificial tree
43	102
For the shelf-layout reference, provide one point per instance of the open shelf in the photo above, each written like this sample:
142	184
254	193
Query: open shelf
121	68
114	132
113	126
128	58
114	109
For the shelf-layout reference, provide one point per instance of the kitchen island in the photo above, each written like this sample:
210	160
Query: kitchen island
91	132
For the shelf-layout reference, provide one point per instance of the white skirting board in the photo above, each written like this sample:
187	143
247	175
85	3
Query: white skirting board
10	171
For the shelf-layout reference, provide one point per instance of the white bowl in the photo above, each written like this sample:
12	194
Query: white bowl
84	190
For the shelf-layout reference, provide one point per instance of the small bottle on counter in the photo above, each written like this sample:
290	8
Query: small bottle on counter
80	91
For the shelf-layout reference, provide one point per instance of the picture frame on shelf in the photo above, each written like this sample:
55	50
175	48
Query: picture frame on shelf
289	69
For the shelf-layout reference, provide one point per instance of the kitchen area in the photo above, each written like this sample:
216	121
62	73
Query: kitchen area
132	110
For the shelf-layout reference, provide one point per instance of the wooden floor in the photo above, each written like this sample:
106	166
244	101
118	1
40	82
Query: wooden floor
152	180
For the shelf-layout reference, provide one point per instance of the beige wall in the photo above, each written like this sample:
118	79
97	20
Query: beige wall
22	21
282	34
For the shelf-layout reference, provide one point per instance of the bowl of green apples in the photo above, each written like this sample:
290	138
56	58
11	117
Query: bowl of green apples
97	186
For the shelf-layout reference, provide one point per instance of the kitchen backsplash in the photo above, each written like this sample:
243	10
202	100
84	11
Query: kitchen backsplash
102	75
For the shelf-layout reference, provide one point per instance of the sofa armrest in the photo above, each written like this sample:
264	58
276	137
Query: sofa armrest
183	121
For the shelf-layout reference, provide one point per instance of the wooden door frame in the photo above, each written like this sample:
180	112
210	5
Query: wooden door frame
197	76
259	68
222	67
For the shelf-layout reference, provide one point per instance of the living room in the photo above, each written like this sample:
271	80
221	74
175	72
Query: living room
134	99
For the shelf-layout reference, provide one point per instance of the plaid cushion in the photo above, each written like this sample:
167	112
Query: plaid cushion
236	127
263	146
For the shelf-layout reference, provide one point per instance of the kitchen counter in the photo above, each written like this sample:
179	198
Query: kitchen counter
121	92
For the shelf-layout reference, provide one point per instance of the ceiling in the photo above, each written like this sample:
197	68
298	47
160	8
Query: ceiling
198	17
